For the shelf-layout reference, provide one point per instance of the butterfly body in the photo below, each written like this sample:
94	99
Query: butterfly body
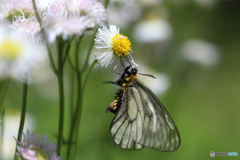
141	120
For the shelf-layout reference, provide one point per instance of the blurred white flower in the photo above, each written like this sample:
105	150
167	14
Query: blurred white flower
28	26
34	147
124	15
92	9
66	18
18	55
160	85
20	15
11	8
10	127
112	47
65	27
152	30
201	52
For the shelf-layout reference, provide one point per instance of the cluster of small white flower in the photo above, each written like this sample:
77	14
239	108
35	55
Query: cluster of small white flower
22	46
71	17
60	19
21	43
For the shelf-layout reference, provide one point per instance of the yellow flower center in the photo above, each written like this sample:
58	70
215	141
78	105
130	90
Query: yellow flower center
121	45
10	49
40	154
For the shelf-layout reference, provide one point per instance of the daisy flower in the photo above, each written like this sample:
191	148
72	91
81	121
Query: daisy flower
20	15
11	8
28	26
18	55
92	9
34	147
112	47
65	27
67	18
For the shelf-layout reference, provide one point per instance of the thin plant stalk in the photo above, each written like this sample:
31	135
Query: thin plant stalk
1	130
61	97
77	117
79	112
106	3
89	52
45	39
3	92
23	112
72	135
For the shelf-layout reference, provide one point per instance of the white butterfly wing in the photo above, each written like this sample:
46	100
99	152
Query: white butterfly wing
143	121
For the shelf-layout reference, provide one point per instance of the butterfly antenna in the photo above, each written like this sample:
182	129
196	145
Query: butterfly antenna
149	75
109	82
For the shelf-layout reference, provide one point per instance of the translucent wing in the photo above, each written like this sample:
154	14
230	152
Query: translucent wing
143	121
126	127
173	140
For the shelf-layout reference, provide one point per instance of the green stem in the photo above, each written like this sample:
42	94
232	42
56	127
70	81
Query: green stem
67	52
4	90
1	131
77	117
52	61
79	112
45	38
23	112
92	43
72	96
72	134
88	72
106	3
61	98
89	52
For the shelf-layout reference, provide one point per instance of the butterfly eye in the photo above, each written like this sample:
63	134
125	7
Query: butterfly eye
134	71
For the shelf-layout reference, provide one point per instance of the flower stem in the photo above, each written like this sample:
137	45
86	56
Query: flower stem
92	43
77	117
61	98
89	52
72	135
23	112
106	3
45	39
3	91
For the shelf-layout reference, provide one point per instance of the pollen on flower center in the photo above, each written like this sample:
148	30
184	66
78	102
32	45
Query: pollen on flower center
10	49
121	45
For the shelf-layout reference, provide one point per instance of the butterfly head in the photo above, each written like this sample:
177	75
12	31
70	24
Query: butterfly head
130	71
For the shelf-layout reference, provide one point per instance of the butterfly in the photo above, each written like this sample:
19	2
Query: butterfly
141	119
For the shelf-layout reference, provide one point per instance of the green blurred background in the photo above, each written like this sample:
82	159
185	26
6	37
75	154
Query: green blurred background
203	93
